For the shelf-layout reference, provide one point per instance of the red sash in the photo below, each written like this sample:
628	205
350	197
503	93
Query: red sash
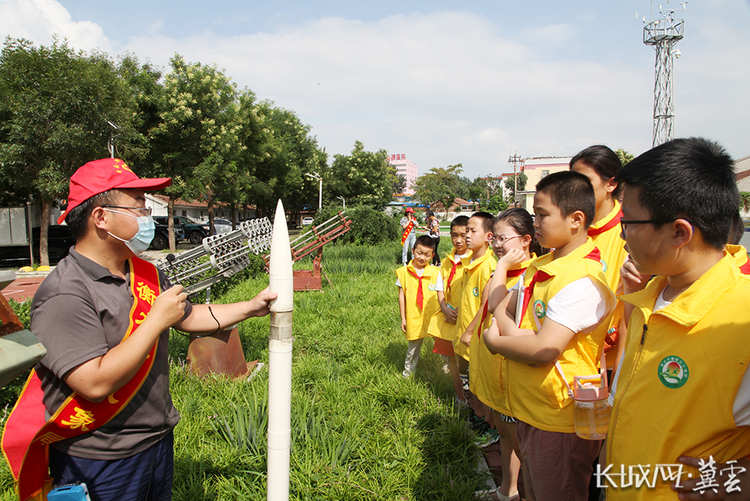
27	437
407	230
611	224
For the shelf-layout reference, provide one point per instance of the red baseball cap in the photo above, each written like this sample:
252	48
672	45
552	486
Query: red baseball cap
103	175
408	209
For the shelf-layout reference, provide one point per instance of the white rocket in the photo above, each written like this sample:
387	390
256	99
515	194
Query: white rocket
280	360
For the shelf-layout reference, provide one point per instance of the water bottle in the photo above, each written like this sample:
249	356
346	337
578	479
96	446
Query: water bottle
592	410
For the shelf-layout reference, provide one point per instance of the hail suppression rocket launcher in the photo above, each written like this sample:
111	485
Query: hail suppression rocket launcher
280	343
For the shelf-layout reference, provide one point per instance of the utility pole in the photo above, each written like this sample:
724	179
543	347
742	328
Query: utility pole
515	159
663	34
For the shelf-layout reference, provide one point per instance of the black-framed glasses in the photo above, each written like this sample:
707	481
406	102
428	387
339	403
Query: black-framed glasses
624	223
142	209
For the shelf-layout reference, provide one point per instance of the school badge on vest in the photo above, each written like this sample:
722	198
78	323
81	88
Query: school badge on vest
475	291
673	372
540	309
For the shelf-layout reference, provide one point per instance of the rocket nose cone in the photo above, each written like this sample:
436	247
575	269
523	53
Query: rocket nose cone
280	264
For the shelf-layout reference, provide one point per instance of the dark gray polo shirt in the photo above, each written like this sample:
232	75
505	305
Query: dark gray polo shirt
80	312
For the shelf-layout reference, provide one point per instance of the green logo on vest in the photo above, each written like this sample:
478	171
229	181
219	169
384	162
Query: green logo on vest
604	264
431	287
540	309
475	291
673	372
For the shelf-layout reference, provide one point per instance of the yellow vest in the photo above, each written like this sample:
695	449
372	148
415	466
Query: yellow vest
476	275
538	395
680	373
416	326
487	372
438	327
612	249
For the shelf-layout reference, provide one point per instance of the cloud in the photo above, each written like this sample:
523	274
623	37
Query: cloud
449	87
37	20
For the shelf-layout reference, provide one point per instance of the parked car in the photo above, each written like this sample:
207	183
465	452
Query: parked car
59	242
161	236
222	225
307	221
193	231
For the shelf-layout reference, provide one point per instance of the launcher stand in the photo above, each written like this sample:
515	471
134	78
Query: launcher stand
311	241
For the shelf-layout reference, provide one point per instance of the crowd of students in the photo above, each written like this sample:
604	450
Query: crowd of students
624	275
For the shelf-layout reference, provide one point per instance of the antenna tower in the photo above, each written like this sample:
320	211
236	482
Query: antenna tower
663	34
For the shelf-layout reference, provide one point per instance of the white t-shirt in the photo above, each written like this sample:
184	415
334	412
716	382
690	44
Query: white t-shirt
741	407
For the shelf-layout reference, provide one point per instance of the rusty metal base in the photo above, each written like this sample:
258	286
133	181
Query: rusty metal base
219	354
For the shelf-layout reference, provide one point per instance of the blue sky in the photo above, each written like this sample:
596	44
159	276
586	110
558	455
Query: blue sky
443	82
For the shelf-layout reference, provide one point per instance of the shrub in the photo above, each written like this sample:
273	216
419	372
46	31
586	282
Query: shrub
369	226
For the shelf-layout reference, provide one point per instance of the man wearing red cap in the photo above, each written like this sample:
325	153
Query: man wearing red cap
409	237
99	400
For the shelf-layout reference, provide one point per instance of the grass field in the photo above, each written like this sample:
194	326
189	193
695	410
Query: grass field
360	430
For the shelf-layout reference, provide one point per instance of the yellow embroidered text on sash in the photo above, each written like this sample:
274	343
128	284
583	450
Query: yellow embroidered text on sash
146	293
81	419
50	438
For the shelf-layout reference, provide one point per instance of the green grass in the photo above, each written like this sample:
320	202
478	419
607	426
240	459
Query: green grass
360	430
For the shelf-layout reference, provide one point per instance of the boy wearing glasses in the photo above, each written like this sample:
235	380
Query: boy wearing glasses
682	394
97	408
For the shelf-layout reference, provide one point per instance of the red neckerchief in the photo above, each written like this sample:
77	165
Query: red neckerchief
420	294
541	276
452	273
485	311
745	268
611	224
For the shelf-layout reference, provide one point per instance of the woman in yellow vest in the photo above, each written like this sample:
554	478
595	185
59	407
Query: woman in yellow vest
600	164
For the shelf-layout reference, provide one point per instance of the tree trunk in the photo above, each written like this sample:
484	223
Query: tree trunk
170	224
211	217
44	233
234	216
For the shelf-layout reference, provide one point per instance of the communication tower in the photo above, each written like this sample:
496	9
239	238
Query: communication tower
663	34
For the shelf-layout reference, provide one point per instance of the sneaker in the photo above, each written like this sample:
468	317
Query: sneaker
476	421
460	404
487	438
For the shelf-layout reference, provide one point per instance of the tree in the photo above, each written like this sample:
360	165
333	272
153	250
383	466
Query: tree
195	140
510	184
624	156
55	105
440	184
496	204
364	176
282	154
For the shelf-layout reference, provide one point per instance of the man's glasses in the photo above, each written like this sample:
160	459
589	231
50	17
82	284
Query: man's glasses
141	209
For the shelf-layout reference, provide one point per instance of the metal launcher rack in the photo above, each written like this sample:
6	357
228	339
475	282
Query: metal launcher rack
219	257
312	241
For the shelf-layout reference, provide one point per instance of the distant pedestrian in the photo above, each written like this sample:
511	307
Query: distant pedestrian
433	226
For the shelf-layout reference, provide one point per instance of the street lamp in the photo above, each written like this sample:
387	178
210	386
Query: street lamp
315	175
343	200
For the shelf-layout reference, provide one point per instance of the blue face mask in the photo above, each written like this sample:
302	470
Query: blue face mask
142	239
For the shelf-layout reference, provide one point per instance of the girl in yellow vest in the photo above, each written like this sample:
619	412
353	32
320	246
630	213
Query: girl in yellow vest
515	245
418	283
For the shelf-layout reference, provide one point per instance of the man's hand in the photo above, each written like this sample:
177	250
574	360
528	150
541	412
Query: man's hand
726	477
403	325
260	305
169	307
